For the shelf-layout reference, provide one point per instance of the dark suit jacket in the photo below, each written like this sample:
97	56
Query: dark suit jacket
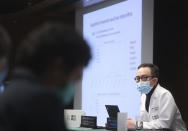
27	105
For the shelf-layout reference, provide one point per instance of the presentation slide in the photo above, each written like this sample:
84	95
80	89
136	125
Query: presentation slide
114	34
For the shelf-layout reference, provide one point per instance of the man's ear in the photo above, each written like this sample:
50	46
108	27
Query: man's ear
58	69
76	73
156	80
55	73
58	64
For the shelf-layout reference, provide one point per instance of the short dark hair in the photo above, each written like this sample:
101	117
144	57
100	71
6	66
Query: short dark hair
4	42
52	40
154	69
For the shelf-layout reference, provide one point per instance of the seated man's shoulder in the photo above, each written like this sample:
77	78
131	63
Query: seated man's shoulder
164	93
22	95
162	89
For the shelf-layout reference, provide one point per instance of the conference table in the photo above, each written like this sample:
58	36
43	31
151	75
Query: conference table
89	129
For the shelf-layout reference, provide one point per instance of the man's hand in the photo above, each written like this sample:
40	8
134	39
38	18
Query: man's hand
131	123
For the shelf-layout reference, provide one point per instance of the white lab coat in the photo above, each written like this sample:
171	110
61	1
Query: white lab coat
163	112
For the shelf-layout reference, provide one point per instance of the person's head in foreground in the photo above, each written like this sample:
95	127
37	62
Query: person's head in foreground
146	77
48	64
56	54
4	54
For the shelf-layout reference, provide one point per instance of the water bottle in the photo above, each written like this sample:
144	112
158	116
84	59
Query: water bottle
139	124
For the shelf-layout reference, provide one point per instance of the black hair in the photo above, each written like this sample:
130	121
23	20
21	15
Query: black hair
154	69
40	49
4	42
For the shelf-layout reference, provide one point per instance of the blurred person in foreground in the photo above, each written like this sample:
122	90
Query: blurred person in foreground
158	108
4	55
48	64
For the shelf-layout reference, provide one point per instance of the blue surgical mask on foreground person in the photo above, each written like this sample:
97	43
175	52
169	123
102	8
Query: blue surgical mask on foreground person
3	72
5	46
66	94
3	75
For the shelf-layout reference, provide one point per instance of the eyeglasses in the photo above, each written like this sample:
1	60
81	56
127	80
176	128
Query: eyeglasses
143	78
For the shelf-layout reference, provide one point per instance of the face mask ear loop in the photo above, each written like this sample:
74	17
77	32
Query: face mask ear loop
153	79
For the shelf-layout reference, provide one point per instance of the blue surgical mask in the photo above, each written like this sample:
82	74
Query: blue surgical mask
144	87
1	88
3	75
66	93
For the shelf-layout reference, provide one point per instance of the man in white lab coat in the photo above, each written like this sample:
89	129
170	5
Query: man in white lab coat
158	108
